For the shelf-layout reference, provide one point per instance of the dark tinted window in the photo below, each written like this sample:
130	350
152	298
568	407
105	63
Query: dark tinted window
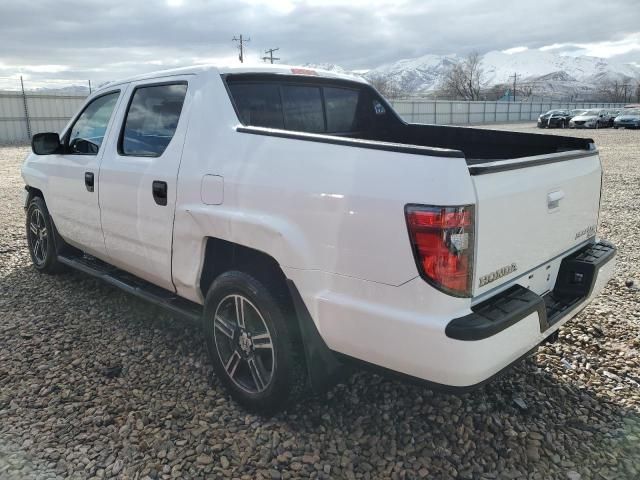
152	119
302	108
88	131
341	105
258	104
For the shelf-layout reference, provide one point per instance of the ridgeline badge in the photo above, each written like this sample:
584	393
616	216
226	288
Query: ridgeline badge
501	272
589	231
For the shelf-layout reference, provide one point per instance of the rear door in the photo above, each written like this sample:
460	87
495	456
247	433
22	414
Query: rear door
527	216
138	177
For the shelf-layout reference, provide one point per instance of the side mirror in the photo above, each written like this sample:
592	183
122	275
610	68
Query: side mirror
46	143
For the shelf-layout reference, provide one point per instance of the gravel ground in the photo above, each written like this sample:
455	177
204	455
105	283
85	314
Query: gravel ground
95	383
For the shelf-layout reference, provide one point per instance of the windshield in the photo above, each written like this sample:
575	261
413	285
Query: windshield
577	112
556	112
591	113
631	111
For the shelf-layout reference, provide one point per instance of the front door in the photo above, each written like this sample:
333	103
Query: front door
72	193
138	177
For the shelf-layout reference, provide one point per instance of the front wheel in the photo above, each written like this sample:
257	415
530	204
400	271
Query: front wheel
253	348
40	238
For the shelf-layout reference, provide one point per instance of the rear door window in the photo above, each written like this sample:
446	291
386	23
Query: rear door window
152	119
303	109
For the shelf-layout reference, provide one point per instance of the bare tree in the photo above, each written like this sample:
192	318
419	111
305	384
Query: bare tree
464	79
495	92
386	87
613	91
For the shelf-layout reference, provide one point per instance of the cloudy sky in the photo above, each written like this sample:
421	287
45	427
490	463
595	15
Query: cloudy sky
74	40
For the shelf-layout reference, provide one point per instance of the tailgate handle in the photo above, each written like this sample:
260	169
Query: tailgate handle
553	199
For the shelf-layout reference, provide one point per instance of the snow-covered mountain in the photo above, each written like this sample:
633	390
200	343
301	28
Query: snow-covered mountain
549	73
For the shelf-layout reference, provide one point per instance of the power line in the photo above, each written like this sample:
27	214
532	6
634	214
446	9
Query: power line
270	56
241	41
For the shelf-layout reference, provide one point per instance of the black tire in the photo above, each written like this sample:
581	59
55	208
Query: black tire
41	238
261	380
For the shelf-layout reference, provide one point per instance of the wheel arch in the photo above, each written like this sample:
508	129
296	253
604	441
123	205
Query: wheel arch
32	192
222	256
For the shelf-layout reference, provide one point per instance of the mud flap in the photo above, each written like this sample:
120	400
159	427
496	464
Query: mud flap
323	368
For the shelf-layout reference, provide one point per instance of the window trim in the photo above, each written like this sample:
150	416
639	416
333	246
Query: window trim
67	133
119	149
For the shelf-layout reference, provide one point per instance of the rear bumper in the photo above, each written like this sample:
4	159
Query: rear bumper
407	328
576	280
550	123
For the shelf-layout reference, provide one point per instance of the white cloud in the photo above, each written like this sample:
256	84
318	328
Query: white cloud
511	51
120	38
606	49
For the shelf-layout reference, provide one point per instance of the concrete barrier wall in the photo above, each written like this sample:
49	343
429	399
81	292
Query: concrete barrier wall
21	116
445	112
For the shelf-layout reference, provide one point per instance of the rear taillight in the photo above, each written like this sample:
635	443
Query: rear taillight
443	239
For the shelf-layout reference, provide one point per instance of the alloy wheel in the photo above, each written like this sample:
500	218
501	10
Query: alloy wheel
38	236
244	343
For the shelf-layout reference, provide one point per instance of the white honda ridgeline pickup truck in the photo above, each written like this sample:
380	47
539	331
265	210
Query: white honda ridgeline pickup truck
305	224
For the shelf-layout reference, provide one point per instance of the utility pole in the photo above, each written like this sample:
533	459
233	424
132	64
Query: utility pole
241	41
625	86
515	79
270	57
26	109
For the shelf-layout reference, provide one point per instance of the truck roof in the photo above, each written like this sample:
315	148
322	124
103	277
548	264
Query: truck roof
245	68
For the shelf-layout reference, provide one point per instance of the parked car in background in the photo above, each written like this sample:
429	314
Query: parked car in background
594	118
611	116
576	112
628	118
632	105
554	119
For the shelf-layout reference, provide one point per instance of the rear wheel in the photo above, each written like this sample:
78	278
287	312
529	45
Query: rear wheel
252	347
41	238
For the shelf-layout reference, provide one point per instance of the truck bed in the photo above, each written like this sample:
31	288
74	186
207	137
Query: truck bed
480	145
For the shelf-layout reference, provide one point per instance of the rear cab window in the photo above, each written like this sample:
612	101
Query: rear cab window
300	105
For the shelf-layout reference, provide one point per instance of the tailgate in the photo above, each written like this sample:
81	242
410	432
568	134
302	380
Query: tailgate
528	215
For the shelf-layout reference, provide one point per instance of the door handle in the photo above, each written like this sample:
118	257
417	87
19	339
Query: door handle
88	181
159	190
